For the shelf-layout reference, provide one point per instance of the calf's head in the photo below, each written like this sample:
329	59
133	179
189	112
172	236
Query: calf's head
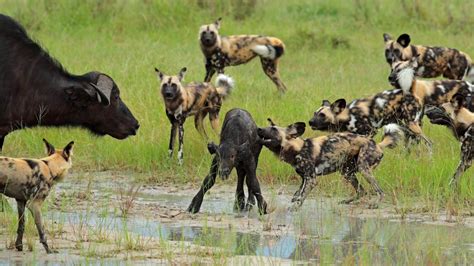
274	137
229	154
59	161
101	109
209	34
326	116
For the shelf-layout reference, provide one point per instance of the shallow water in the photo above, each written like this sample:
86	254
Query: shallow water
317	234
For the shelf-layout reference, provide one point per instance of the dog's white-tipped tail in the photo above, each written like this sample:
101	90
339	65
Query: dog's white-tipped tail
224	85
265	51
392	134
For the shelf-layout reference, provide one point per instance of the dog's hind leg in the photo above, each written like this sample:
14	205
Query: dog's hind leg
206	185
198	123
21	224
214	119
350	176
467	156
35	209
270	67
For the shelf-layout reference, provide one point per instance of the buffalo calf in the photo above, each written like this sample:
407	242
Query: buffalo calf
240	148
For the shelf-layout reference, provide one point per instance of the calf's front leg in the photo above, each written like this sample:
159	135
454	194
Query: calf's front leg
207	184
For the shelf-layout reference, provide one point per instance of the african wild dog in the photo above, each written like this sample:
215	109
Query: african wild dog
345	152
364	116
29	182
432	61
222	51
240	148
460	120
198	99
423	94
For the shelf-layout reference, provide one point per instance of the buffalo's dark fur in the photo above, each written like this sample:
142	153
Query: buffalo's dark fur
240	148
36	90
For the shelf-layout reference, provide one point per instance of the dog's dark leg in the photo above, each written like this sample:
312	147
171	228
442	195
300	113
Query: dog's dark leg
239	204
254	186
206	185
214	119
310	181
21	225
368	160
198	123
210	71
270	67
35	209
181	142
174	128
352	179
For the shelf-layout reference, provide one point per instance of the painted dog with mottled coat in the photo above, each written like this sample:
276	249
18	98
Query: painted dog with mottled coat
196	99
223	51
364	116
432	61
29	182
460	120
345	152
239	148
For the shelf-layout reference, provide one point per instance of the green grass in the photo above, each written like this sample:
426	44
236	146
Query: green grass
334	50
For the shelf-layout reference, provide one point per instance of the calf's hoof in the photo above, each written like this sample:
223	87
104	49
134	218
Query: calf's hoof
19	247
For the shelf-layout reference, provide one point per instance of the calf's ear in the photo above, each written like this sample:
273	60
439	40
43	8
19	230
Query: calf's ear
295	130
67	151
49	147
212	147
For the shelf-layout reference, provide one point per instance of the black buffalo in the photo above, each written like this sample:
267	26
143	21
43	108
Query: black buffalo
36	90
239	147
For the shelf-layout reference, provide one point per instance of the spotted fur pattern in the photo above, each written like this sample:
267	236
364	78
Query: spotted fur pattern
196	99
345	152
223	51
29	182
460	120
432	61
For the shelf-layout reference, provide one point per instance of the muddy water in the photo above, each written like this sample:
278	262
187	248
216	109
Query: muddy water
317	233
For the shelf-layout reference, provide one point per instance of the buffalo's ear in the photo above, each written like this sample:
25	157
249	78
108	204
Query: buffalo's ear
338	106
181	73
212	147
81	96
49	147
295	130
67	151
387	37
458	101
404	40
159	73
218	23
326	103
104	87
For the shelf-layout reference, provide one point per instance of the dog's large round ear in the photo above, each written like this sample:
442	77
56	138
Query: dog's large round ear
67	151
295	130
404	40
159	73
49	147
326	103
458	101
387	37
181	73
218	23
338	106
